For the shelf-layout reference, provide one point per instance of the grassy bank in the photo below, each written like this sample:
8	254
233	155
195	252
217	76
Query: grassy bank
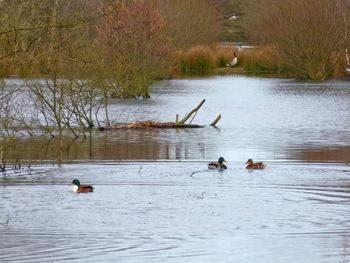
207	60
204	60
201	60
261	61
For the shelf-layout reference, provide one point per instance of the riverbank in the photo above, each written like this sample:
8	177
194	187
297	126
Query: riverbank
251	61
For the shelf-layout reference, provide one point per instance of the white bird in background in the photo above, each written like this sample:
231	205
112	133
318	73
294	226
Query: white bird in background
347	69
234	60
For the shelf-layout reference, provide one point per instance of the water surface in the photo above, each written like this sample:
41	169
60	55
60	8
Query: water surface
162	212
154	199
267	119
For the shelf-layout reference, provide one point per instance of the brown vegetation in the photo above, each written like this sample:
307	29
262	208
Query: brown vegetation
308	35
136	49
203	59
84	52
262	60
191	23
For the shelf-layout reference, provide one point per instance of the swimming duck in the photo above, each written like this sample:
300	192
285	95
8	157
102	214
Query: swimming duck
81	188
255	166
218	165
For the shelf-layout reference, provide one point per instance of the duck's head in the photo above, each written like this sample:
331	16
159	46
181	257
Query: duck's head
221	160
76	182
75	185
250	161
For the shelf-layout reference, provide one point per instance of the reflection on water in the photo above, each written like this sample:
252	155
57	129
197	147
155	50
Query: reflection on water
264	119
144	145
151	144
338	154
159	213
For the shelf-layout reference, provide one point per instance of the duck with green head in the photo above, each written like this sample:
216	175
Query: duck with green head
81	188
218	165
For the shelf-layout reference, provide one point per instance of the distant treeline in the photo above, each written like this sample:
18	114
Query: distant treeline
135	42
310	37
305	39
131	43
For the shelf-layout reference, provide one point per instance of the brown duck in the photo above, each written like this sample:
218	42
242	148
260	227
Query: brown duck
255	166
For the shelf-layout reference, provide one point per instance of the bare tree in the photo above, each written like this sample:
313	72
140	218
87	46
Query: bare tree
191	23
136	48
309	35
27	27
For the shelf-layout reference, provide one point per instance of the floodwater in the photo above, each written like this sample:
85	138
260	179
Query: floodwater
154	199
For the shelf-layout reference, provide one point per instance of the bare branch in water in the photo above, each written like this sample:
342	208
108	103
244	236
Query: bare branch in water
195	172
216	120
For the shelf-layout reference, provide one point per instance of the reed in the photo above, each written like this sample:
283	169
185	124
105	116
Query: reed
197	60
201	60
3	72
260	61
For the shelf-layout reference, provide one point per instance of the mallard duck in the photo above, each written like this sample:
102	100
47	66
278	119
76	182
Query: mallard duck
218	165
256	166
81	188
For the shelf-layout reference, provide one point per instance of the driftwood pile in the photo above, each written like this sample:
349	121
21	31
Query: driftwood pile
150	124
164	125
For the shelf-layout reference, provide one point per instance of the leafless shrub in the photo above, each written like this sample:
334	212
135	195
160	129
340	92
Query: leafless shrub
309	35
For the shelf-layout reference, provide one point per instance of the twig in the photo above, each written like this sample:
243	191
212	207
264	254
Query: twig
140	168
159	95
195	172
191	113
193	117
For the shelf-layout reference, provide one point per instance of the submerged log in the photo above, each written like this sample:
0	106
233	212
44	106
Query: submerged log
150	124
164	125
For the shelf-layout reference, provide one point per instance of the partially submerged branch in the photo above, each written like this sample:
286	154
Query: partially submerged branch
164	125
188	115
216	120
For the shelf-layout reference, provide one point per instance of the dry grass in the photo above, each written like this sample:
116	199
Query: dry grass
261	60
202	59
